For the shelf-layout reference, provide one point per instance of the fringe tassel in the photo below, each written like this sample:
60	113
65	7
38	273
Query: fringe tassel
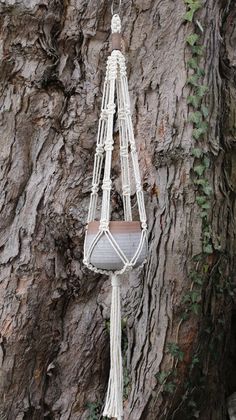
114	398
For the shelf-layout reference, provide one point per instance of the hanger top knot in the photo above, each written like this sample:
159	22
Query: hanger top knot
116	24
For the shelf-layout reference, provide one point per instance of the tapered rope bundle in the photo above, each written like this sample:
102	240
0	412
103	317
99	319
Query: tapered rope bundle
114	400
113	247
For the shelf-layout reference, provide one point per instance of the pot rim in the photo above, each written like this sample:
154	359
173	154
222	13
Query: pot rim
116	226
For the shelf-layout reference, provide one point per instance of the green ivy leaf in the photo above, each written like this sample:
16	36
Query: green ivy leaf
206	206
193	7
193	2
205	111
175	351
194	101
193	80
195	296
197	152
201	182
204	214
195	117
192	39
198	49
207	190
189	15
199	169
162	376
169	387
201	200
201	90
192	63
208	249
184	316
200	72
189	2
195	360
198	132
198	281
206	162
207	234
196	5
186	298
195	308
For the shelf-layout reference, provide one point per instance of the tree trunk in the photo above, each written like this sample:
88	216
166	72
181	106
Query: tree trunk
54	352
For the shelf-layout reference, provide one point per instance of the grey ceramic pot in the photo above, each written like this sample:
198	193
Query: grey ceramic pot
126	234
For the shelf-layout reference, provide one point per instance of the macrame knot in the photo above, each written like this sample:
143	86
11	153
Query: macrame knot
109	147
107	184
129	265
111	109
127	110
122	67
122	114
115	281
95	189
111	250
104	225
126	190
103	114
99	149
115	24
124	151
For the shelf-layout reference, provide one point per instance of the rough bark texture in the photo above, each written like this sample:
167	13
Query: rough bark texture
54	350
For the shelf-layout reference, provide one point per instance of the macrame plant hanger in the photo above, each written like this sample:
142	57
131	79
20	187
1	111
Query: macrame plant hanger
115	247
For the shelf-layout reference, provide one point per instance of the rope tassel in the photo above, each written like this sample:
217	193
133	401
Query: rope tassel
114	398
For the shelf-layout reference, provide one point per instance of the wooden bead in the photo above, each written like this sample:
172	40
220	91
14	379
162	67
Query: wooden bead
116	41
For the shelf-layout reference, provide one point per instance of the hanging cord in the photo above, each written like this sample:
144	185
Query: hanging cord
112	8
114	398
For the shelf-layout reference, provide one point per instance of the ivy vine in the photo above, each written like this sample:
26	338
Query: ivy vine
198	116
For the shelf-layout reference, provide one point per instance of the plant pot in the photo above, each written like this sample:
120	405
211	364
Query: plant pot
126	234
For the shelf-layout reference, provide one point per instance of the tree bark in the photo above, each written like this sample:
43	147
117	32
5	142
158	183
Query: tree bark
54	347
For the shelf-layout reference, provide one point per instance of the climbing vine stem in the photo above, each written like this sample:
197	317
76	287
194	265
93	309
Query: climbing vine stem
198	117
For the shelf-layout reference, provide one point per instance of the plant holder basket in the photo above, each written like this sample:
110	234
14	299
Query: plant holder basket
115	247
128	236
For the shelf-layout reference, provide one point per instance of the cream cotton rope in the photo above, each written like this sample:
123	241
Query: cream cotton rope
101	238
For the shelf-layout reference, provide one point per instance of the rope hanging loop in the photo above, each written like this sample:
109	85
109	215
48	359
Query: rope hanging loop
112	7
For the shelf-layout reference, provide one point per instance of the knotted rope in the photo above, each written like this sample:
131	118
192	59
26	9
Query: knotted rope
115	82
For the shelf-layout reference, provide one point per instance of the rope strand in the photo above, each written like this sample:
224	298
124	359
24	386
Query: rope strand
114	398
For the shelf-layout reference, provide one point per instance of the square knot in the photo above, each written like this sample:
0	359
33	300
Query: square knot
103	114
109	147
95	189
99	149
111	109
106	185
124	151
122	114
126	190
